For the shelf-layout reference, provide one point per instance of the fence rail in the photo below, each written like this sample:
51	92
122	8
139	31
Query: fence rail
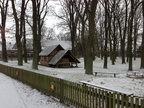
78	95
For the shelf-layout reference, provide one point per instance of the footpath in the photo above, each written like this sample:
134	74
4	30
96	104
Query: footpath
8	94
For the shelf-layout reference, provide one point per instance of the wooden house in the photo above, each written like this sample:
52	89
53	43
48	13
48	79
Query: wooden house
56	56
48	53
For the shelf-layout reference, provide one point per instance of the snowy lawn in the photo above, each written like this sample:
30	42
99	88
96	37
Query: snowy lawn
14	94
121	82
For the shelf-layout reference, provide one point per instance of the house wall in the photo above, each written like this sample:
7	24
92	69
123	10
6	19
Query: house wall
12	53
44	60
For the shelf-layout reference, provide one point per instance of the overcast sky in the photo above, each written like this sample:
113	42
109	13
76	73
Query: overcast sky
51	21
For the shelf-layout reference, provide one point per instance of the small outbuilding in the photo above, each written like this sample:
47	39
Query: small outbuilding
56	56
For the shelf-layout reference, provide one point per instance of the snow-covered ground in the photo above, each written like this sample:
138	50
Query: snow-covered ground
14	94
120	83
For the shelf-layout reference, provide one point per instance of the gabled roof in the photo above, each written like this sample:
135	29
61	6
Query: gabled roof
49	49
60	55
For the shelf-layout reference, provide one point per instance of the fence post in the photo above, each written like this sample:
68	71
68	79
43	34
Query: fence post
61	90
142	103
107	99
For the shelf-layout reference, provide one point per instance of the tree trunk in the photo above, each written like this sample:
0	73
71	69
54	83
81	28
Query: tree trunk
142	45
135	39
130	45
4	52
3	22
91	9
114	33
24	45
35	36
83	42
130	55
124	34
39	34
106	34
89	61
22	29
123	51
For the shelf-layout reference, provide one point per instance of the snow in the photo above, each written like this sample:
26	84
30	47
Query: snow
120	83
15	94
65	44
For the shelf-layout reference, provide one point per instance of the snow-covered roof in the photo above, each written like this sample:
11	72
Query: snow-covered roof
65	44
49	49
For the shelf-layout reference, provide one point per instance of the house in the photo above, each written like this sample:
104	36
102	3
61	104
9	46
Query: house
12	48
57	56
48	53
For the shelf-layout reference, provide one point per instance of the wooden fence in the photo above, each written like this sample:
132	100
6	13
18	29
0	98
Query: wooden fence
78	95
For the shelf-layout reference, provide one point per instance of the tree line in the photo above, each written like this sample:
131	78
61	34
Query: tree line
105	28
102	27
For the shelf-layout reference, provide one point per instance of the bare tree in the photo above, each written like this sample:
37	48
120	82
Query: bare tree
86	10
39	13
91	6
81	10
134	5
3	9
48	33
17	34
69	19
20	32
106	27
23	28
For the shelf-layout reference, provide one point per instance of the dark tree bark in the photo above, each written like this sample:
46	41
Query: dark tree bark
136	27
24	44
106	25
130	31
142	45
35	36
3	7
